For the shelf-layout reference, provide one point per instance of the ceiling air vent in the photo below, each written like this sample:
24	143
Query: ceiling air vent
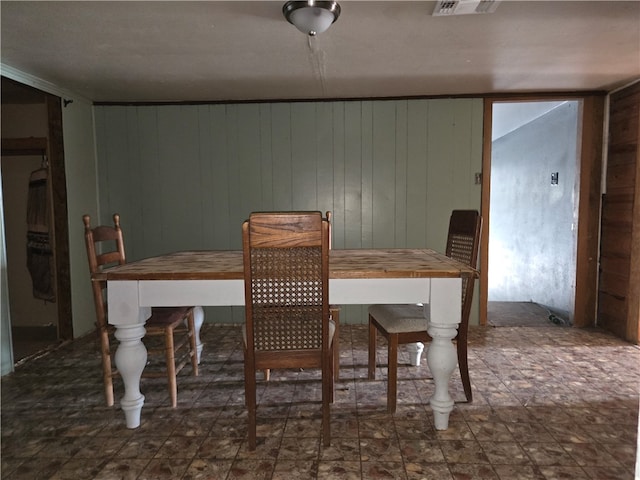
464	7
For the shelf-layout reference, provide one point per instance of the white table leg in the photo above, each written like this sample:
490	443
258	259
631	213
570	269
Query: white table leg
131	358
444	318
442	360
198	320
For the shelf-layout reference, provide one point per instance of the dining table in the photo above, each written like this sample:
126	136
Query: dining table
356	276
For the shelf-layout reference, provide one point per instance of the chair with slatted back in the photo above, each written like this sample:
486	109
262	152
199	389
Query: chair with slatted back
286	278
174	326
401	324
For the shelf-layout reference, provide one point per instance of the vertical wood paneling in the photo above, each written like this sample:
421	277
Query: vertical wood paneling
187	176
324	157
401	165
383	174
366	158
135	236
304	151
205	191
416	212
235	194
115	187
266	160
281	145
462	178
353	211
440	168
179	177
249	191
218	185
339	168
150	220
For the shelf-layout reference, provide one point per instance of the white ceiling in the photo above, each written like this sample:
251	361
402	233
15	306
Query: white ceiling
208	51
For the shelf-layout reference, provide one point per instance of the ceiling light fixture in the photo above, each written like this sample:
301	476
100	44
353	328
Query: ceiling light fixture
311	17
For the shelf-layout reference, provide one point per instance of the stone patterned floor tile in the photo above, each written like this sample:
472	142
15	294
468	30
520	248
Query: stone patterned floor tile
341	450
288	469
380	449
377	470
245	469
129	469
542	410
207	469
336	470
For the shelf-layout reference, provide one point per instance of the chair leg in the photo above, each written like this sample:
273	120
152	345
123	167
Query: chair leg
107	373
193	346
108	388
327	399
392	376
250	401
372	350
335	315
171	366
332	366
463	365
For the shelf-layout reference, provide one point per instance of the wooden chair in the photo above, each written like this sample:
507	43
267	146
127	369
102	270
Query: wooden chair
334	314
105	247
401	324
286	278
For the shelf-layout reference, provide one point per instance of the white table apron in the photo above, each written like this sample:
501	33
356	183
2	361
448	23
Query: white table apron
130	303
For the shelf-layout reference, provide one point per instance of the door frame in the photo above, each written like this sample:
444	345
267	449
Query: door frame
591	127
53	147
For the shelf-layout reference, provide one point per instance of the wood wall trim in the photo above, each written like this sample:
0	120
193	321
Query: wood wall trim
590	197
486	196
619	287
24	146
514	97
633	310
633	294
60	217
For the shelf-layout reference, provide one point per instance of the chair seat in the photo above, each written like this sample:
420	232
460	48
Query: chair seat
399	318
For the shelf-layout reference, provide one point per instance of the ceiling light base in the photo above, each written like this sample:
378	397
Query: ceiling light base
311	17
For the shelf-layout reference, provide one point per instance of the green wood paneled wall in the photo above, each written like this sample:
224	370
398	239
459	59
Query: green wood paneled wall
186	176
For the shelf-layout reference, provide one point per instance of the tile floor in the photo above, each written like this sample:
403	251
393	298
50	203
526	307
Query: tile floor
549	403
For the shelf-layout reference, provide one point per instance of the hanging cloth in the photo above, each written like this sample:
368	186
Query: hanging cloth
39	250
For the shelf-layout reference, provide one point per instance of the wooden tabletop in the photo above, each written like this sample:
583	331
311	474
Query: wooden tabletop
358	263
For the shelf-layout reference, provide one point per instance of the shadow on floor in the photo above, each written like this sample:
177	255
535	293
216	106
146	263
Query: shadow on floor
31	342
522	314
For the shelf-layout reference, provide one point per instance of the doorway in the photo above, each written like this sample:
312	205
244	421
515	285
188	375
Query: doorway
590	141
534	212
32	141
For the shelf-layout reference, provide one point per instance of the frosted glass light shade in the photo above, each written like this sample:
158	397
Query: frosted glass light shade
311	17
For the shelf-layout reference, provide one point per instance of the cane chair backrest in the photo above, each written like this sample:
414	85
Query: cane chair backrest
463	245
286	277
